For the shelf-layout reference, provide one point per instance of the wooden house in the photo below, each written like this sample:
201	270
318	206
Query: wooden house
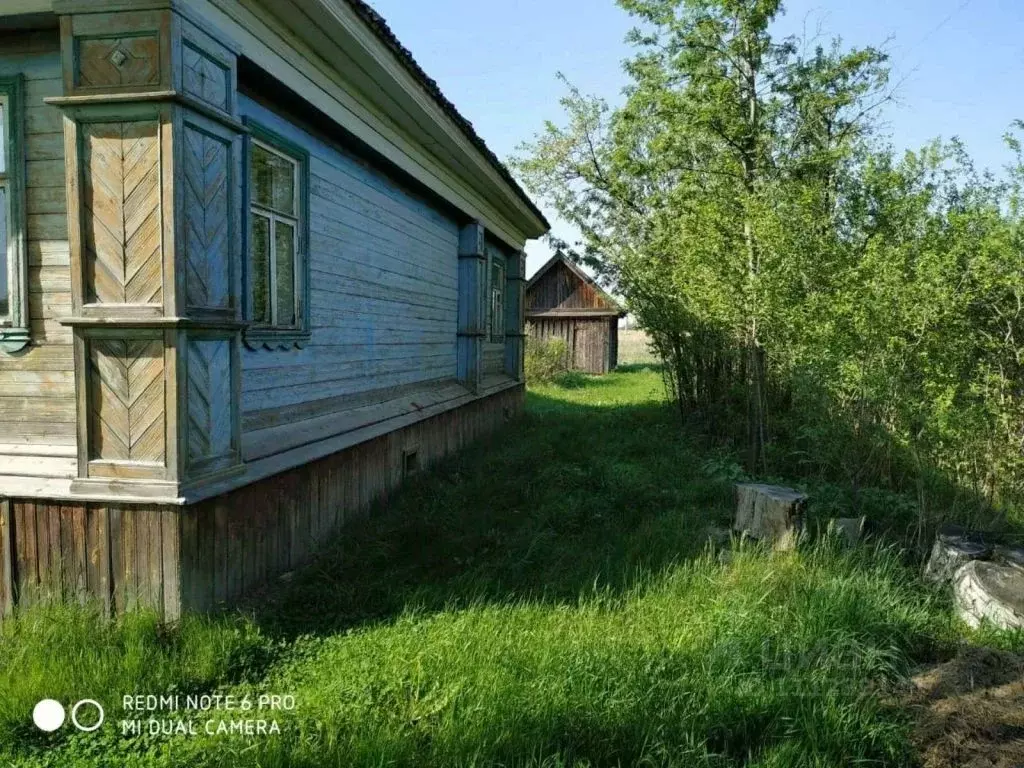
563	301
254	270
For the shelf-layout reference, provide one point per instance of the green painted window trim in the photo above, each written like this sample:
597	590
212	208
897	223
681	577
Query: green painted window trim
14	327
262	335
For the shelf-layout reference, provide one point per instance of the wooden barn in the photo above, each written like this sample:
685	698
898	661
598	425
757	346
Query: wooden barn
563	301
255	269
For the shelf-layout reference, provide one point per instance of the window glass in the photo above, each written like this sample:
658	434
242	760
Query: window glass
14	319
5	302
262	177
284	247
497	301
273	180
284	185
275	258
260	269
3	136
5	307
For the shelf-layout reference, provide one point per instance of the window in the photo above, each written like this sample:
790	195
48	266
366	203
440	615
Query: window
497	299
278	217
5	214
13	289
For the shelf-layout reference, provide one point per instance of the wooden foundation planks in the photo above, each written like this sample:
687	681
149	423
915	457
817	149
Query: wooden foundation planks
204	556
7	561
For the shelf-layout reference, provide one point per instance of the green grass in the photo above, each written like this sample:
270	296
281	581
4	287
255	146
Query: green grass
546	599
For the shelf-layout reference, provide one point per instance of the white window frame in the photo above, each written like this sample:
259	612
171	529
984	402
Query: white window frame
5	186
272	335
14	324
255	209
497	313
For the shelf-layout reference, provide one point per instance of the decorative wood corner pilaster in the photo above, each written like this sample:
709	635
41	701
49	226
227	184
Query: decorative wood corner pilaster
153	157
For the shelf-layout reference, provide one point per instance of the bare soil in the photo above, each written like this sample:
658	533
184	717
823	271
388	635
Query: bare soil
969	711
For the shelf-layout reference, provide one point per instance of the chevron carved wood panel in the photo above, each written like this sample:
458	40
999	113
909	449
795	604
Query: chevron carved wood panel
203	77
126	385
207	239
210	430
121	210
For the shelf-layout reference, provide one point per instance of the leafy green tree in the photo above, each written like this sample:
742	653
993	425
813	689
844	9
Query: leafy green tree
683	193
836	309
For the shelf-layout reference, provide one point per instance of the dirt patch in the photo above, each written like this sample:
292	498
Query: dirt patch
969	712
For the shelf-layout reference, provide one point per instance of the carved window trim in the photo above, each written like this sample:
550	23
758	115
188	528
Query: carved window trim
14	324
269	335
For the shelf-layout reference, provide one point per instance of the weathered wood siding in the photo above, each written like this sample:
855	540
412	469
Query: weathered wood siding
198	557
37	391
560	289
613	342
124	555
384	280
592	342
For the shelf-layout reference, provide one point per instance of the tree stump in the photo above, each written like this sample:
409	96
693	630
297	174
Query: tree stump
849	529
1008	555
952	549
990	591
769	513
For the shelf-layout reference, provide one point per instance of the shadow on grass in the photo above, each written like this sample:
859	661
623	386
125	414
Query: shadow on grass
638	367
593	490
570	497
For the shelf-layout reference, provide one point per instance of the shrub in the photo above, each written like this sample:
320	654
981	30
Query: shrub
546	359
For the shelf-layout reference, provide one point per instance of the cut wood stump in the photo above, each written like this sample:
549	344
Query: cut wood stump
770	513
1008	555
991	591
953	548
849	529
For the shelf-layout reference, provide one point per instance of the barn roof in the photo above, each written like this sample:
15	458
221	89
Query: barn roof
611	306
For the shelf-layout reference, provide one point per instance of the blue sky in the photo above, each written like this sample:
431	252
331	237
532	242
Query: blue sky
959	63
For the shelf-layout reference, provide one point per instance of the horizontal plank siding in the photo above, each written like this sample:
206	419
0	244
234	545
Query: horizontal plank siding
494	358
383	303
37	391
562	289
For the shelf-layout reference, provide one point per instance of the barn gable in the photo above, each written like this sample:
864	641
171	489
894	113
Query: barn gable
564	302
560	287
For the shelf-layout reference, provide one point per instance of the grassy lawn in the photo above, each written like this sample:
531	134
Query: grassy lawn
547	599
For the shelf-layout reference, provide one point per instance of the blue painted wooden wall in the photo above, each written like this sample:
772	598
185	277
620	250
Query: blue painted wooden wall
383	300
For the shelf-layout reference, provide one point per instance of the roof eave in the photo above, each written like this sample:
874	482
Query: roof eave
574	312
398	72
